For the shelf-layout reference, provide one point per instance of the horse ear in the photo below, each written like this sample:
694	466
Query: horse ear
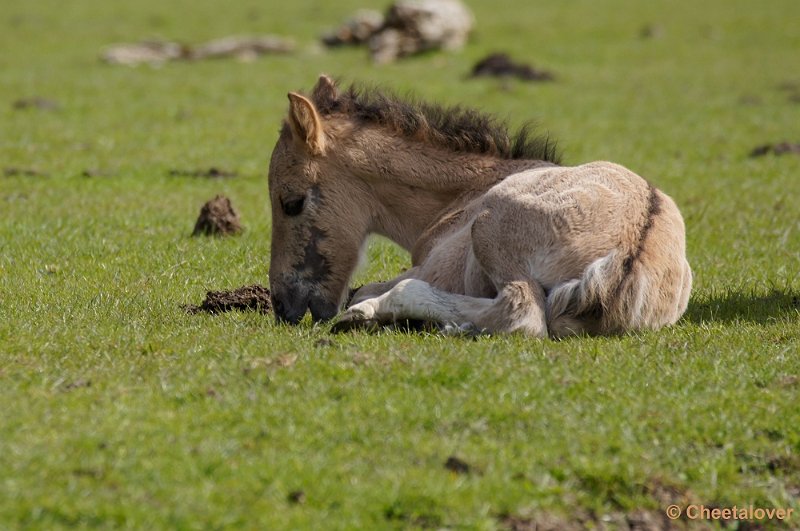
325	93
305	123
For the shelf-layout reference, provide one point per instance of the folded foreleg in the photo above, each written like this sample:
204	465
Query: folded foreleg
518	306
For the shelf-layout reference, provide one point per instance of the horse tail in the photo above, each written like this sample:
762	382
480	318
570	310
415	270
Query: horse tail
645	286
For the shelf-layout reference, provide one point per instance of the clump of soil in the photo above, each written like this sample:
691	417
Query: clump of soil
255	298
780	148
217	218
36	102
211	173
501	65
457	465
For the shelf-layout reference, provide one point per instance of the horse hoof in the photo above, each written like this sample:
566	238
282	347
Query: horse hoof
348	325
354	319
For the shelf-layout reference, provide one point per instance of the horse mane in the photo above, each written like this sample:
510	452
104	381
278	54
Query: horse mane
452	127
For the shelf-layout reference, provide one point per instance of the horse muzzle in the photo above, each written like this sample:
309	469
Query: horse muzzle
290	306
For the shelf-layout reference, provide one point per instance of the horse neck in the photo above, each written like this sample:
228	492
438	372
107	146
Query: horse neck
414	183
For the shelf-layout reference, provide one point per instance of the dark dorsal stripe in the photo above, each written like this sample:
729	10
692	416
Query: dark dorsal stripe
653	209
455	128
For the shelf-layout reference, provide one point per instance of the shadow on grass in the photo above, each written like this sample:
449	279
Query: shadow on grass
736	307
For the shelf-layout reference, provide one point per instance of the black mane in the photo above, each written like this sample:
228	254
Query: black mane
456	128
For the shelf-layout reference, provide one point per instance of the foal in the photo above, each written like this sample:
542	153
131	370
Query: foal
501	237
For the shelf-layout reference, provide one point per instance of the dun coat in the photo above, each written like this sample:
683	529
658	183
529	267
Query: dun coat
502	238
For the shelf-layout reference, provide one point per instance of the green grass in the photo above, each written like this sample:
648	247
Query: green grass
120	410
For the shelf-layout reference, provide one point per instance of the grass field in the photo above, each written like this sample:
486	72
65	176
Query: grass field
121	410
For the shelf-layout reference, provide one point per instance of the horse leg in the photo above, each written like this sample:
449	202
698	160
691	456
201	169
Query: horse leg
518	306
375	289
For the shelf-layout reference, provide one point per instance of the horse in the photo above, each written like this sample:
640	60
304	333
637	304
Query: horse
502	237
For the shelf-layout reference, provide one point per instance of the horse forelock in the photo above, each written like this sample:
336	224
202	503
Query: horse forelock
456	128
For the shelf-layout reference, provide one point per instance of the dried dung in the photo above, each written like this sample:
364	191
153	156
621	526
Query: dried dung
147	52
408	28
355	30
501	65
159	52
416	26
459	466
217	218
241	48
255	298
296	497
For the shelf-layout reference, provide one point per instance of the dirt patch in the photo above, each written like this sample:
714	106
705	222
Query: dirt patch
42	104
662	491
501	65
781	148
543	522
636	520
211	173
217	218
252	298
667	493
22	172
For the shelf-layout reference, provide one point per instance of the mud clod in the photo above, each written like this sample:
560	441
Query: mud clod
780	148
254	298
217	218
459	466
501	65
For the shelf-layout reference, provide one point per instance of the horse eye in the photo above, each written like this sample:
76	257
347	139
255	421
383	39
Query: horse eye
293	207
